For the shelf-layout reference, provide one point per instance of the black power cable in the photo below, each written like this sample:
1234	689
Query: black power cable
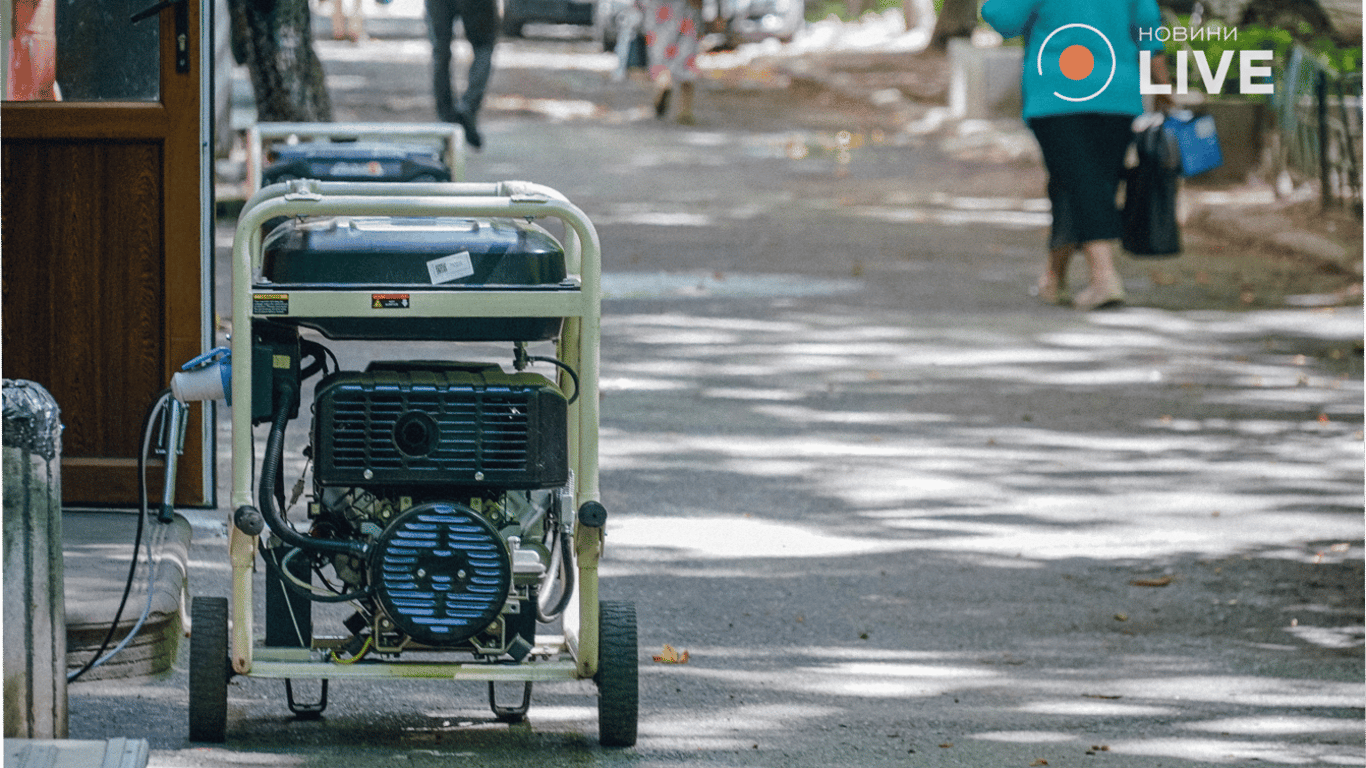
147	420
558	364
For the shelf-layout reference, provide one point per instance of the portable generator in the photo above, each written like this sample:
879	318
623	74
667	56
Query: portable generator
452	515
354	161
379	152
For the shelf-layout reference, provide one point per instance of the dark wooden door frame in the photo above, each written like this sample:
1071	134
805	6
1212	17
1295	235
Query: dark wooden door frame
174	132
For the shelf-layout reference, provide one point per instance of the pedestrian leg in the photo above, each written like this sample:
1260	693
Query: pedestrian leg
1053	283
440	21
1106	288
686	90
473	98
663	91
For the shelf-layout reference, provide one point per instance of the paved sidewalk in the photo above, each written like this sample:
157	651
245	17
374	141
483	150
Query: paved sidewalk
394	20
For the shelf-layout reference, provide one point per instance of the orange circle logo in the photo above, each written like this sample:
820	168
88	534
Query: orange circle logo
1076	62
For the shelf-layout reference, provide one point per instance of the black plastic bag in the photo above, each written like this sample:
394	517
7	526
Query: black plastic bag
638	56
1150	228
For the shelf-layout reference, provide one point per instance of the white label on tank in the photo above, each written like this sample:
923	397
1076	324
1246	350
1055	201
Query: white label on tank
448	268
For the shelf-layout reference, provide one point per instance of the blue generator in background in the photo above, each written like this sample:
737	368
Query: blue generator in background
385	152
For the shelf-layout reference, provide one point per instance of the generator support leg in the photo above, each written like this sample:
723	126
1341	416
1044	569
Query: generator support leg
514	714
306	711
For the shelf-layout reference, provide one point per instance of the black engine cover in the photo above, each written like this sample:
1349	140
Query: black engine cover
423	425
394	254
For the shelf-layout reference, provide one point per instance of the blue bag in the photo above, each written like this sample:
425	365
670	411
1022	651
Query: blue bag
1198	140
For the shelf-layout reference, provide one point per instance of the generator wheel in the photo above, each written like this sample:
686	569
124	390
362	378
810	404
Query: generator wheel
618	675
209	669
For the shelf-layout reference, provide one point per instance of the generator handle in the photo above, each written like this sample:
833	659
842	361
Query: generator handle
451	135
514	191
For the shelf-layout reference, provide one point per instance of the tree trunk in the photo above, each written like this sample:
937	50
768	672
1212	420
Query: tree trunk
274	40
918	13
957	19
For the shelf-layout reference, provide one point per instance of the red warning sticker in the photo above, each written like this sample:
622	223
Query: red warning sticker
389	301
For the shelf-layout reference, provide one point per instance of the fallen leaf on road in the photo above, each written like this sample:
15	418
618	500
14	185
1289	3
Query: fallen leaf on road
1121	617
1040	761
1161	581
672	656
946	745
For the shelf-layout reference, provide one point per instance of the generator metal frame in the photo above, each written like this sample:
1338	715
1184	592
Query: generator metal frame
574	655
450	135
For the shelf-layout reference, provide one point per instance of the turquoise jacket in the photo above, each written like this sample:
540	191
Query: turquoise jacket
1080	55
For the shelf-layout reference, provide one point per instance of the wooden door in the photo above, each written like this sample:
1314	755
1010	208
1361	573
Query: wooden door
104	229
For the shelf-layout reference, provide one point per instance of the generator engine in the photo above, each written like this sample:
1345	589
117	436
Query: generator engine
438	500
441	490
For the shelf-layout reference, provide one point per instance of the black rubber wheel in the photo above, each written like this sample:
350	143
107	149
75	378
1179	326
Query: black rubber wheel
618	675
209	669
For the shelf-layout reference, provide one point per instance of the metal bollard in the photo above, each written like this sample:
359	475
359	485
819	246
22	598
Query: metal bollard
34	605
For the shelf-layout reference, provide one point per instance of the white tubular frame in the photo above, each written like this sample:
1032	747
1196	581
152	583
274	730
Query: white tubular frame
578	305
450	135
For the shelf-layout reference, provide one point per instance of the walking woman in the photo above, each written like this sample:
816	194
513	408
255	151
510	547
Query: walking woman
673	30
1081	94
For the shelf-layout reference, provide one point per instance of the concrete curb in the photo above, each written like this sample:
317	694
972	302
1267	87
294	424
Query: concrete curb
97	548
41	753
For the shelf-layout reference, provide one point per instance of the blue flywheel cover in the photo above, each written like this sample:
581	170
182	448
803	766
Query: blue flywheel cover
441	573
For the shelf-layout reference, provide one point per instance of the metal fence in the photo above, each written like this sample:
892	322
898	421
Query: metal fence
1319	121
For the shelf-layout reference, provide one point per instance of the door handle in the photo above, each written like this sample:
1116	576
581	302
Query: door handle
182	29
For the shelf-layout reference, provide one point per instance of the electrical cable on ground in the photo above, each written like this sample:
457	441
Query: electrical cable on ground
100	657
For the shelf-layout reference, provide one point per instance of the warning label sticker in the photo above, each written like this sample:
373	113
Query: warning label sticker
270	303
389	301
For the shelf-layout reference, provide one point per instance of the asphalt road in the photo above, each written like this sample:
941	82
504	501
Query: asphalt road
897	511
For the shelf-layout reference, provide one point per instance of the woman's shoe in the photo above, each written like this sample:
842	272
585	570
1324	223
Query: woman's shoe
1050	292
1100	298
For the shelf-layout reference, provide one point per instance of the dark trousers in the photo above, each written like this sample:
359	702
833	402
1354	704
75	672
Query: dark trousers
480	19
